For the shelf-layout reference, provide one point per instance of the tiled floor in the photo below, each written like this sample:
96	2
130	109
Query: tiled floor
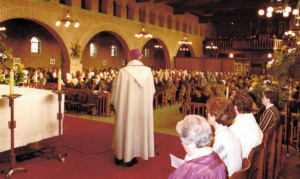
165	120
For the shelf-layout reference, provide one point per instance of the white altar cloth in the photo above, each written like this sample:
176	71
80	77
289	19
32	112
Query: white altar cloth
35	114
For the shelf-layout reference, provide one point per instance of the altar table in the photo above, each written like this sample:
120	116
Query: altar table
35	114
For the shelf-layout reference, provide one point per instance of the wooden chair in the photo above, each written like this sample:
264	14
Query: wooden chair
243	173
189	107
103	104
256	158
270	150
180	98
173	98
90	104
188	94
164	101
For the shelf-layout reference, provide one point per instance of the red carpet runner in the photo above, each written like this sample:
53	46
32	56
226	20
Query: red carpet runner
89	136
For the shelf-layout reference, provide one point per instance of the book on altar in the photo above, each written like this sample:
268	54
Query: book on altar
175	161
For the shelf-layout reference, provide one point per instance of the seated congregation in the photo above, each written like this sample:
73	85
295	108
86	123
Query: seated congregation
235	140
230	130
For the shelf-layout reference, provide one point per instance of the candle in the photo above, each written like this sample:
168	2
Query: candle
35	76
227	92
11	80
59	80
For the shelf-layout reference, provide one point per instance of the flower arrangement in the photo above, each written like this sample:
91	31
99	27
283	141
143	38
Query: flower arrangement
19	75
258	87
284	67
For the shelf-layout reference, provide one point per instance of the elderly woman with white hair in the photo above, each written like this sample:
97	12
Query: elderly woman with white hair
200	161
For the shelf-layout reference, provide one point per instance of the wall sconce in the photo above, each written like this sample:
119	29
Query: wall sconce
230	55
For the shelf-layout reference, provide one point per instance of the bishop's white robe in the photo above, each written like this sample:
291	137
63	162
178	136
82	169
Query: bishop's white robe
132	97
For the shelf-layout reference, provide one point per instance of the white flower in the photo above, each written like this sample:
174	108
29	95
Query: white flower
293	50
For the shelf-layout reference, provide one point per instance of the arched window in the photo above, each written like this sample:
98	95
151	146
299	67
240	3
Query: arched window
35	45
127	12
100	6
115	8
146	52
113	50
83	5
93	50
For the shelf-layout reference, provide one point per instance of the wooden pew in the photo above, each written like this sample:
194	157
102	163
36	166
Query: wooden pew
242	173
256	158
278	145
269	141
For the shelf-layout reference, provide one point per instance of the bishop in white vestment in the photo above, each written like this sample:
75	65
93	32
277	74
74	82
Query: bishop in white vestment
132	97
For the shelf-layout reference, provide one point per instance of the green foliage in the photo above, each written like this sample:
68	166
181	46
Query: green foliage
5	54
258	88
19	75
76	50
284	67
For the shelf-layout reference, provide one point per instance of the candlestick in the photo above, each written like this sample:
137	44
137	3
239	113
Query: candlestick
227	92
11	80
35	76
59	80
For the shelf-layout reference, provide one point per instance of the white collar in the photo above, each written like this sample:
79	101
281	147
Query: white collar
220	129
241	115
135	63
270	105
203	151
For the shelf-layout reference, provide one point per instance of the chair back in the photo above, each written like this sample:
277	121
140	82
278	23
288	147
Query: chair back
256	158
243	173
193	108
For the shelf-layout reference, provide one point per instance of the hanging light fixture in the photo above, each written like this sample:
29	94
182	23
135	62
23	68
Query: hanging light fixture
211	47
66	20
279	6
157	46
184	49
143	33
185	41
2	29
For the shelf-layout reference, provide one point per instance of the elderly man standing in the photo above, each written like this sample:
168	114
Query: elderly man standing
132	97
